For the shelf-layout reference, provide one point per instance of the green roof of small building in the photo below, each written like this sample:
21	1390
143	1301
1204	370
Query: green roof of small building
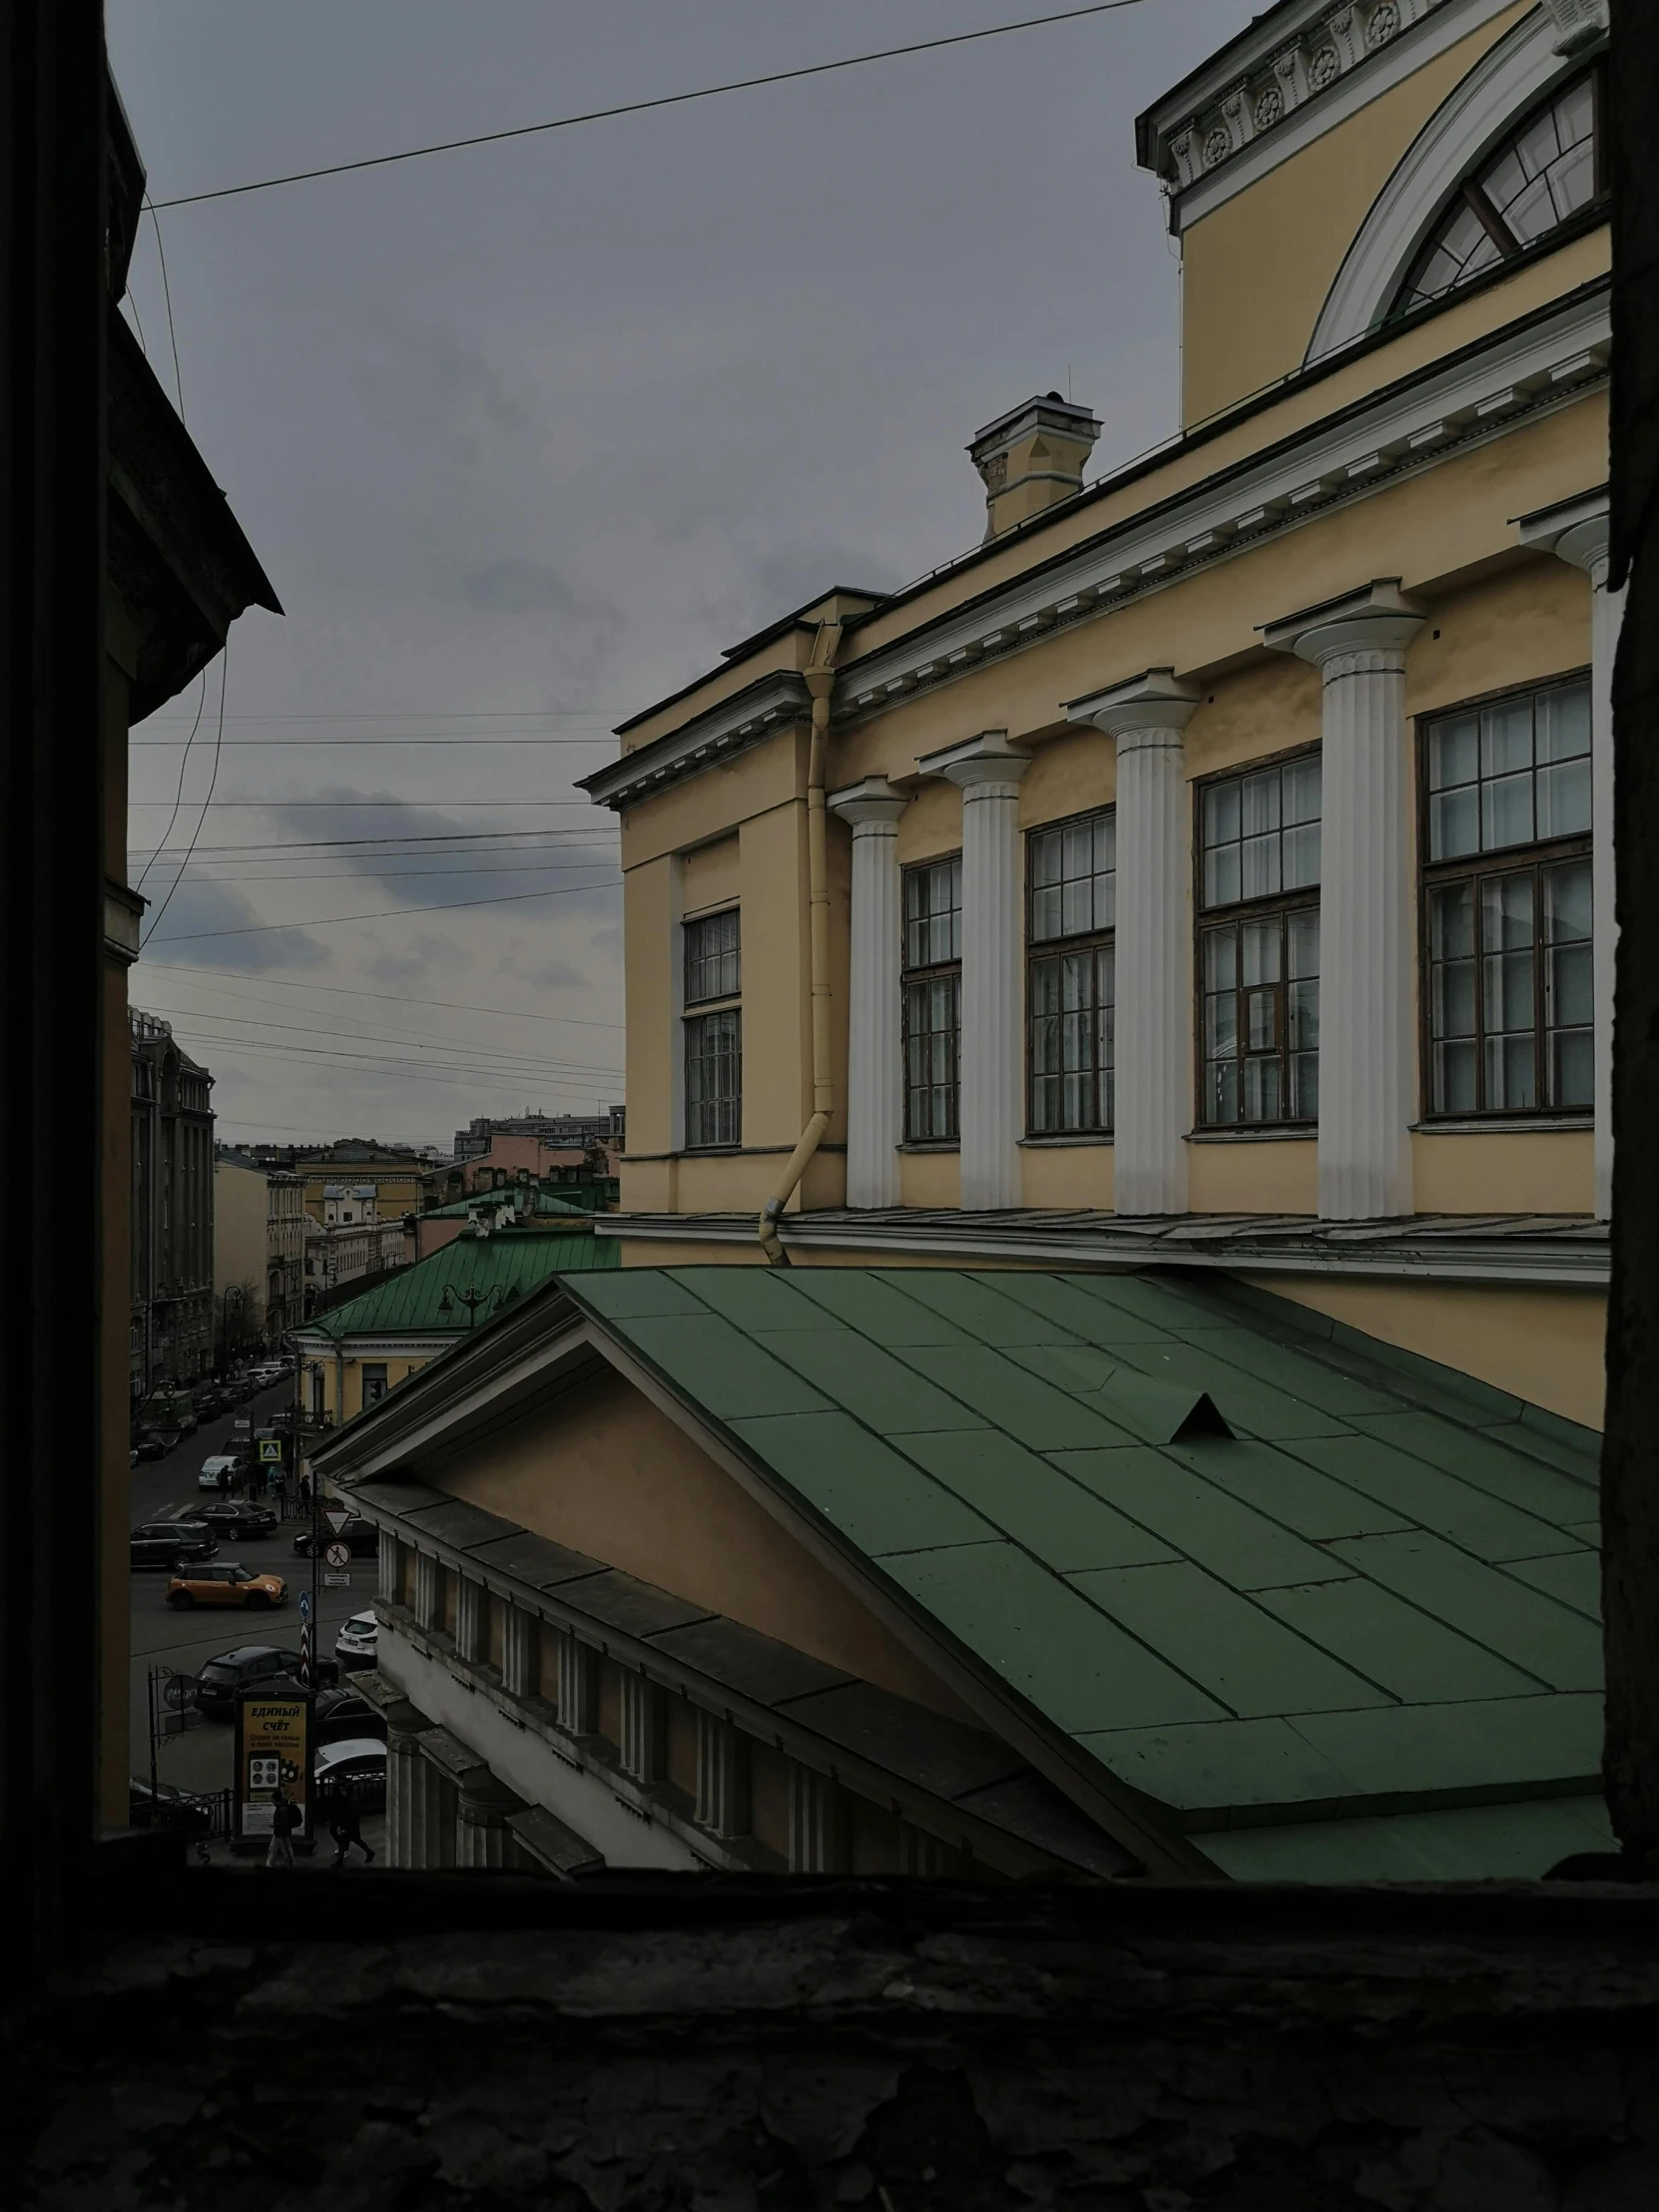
512	1262
1333	1607
546	1204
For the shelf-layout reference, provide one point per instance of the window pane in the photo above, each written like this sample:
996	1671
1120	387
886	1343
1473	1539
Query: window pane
1454	823
1045	912
1506	812
1301	782
1454	753
1301	857
1259	802
1564	723
1506	738
1221	876
1259	952
1221	812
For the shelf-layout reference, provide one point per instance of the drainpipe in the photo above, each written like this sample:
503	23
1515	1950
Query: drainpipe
820	675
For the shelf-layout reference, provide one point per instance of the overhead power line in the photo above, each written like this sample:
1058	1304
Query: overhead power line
179	795
662	100
492	1055
212	780
396	998
386	914
546	840
278	804
267	745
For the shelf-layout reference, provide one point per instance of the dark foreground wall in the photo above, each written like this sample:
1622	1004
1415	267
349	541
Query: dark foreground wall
724	2046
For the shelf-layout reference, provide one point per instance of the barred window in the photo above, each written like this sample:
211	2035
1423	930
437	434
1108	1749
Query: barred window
933	999
1259	967
1542	175
714	1079
714	1039
1508	918
713	958
1070	980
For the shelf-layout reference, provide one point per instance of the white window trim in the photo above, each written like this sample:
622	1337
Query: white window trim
1521	71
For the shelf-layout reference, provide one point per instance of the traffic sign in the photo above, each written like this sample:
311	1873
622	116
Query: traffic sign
304	1605
242	1427
271	1453
339	1555
178	1691
336	1581
337	1519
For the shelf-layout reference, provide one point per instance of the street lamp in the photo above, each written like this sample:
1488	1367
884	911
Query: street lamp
474	1299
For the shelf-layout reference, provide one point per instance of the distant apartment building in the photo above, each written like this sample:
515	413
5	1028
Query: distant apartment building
349	1251
172	1329
607	1129
258	1246
403	1179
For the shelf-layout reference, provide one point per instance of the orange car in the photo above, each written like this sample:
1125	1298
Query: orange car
227	1586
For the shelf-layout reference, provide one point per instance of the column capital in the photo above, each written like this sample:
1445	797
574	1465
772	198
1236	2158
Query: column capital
873	804
978	766
1155	700
1377	619
1579	530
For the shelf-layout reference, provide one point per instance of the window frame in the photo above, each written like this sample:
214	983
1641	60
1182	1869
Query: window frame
1094	939
1235	914
926	972
1468	194
695	1016
1533	859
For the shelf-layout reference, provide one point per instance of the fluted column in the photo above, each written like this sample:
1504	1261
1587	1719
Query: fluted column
986	770
484	1839
430	1827
1578	532
1153	1079
404	1767
1368	1064
874	1040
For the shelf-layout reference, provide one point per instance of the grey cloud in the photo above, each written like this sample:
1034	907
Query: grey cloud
547	976
200	911
512	587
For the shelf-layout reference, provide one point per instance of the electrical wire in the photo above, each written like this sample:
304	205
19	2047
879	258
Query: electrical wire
166	295
394	999
383	875
206	1038
664	100
265	745
179	795
387	913
495	1055
224	679
546	840
340	806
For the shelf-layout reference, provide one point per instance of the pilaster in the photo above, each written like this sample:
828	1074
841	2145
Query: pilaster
1368	1061
987	770
874	1046
1578	532
1146	717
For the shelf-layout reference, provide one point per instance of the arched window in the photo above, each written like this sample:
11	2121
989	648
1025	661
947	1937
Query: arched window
1542	175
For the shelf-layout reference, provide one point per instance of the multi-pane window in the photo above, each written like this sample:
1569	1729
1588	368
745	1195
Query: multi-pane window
1072	905
1259	944
932	991
1507	917
714	1039
1541	176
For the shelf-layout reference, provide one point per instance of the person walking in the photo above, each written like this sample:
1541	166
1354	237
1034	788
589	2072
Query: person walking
225	1482
285	1819
344	1827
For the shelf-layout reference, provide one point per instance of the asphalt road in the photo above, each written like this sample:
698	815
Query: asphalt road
164	1489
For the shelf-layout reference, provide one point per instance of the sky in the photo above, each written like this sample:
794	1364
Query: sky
525	435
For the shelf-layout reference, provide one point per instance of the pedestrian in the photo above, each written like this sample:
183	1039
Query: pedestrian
305	1494
285	1819
225	1482
344	1827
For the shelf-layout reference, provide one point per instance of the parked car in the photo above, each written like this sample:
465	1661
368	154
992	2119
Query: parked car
220	1462
230	1671
150	1444
355	1767
361	1538
168	1543
162	1804
229	1584
170	1438
229	1518
357	1643
345	1713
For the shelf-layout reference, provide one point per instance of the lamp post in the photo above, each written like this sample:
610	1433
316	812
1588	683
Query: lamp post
472	1298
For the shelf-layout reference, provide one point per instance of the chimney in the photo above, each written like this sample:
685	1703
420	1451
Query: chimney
1032	458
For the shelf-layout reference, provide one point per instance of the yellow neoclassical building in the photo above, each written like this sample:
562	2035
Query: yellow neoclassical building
1211	867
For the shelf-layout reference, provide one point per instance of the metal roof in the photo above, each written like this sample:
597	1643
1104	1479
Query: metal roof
1284	1581
546	1204
512	1261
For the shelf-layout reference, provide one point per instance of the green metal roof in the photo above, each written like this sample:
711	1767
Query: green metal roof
507	1260
1266	1571
546	1204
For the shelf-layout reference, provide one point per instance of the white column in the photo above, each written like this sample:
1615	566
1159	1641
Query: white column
484	1839
520	1652
1578	532
1367	1062
431	1822
1153	959
404	1768
875	1042
986	770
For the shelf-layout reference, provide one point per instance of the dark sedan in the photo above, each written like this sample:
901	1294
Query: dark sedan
345	1715
247	1667
149	1446
229	1518
170	1544
361	1538
164	1806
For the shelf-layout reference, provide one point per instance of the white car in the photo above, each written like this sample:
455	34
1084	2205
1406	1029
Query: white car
213	1468
357	1642
355	1768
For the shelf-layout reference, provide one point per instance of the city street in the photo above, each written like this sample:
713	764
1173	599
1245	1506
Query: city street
164	1489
